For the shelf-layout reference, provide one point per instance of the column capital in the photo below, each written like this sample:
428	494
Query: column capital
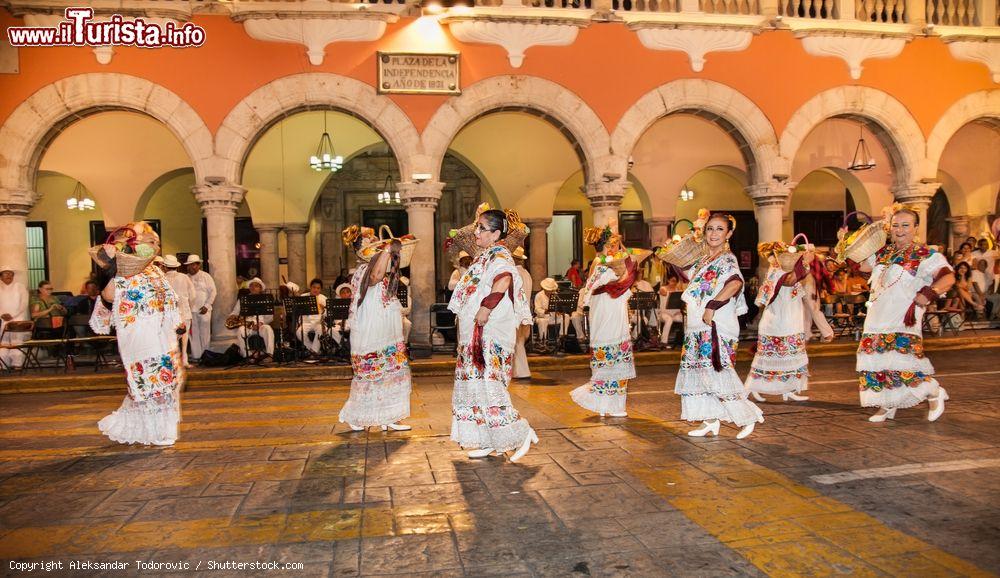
959	225
533	222
267	227
14	209
17	202
425	194
773	192
219	197
296	227
918	194
605	194
660	221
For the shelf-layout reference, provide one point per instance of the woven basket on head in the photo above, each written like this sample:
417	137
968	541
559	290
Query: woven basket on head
682	252
127	264
464	239
787	259
863	243
408	245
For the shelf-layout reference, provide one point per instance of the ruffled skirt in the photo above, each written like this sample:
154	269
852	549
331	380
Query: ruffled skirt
707	394
144	422
380	389
893	372
611	366
483	415
780	365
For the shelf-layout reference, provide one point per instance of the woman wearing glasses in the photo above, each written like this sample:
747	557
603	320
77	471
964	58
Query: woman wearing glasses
490	304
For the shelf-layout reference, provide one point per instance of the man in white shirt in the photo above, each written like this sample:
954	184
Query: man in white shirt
343	291
464	260
314	323
541	306
993	291
521	369
259	325
667	317
13	307
201	310
183	286
984	252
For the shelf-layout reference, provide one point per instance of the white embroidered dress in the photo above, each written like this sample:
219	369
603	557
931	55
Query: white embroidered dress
145	316
380	389
707	394
611	362
780	364
482	413
894	373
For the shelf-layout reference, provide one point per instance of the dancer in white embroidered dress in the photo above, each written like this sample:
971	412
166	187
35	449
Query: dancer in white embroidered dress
145	315
490	304
707	382
780	365
380	389
906	277
607	292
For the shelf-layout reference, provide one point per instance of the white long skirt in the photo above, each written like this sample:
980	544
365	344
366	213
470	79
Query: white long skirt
707	394
611	360
780	365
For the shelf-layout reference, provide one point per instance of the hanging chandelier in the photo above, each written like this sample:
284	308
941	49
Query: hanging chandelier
389	194
326	157
863	159
80	199
686	193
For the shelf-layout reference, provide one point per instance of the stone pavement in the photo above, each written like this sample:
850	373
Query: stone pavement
263	473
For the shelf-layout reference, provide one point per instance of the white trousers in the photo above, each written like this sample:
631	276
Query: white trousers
521	368
544	321
201	333
311	342
266	331
667	317
183	340
814	315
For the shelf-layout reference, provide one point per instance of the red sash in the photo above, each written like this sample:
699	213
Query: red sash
490	302
618	288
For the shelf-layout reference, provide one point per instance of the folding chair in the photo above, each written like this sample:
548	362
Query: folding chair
83	337
11	330
442	320
51	339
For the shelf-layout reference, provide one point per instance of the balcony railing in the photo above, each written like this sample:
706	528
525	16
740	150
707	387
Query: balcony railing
821	9
952	12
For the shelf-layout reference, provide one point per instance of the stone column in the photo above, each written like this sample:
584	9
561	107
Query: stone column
659	230
420	200
959	231
538	258
330	243
917	196
605	200
769	209
295	237
219	203
268	253
14	209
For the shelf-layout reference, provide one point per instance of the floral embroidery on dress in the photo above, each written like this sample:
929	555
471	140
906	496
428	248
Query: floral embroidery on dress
696	353
612	387
879	343
143	296
493	416
773	375
706	278
376	365
594	278
498	367
784	346
152	375
613	354
909	260
469	282
879	380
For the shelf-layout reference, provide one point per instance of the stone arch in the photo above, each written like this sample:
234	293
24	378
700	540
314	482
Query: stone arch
890	121
554	103
259	110
27	132
979	106
143	203
722	105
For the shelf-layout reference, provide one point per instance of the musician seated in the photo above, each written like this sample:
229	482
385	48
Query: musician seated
312	325
667	317
254	325
337	330
544	318
407	324
649	316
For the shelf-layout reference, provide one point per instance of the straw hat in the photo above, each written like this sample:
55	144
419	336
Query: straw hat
170	262
293	288
158	259
191	259
549	284
343	286
519	253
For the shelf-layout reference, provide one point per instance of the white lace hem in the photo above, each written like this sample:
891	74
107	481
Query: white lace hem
379	402
709	395
900	397
618	372
143	422
776	386
893	361
597	402
471	435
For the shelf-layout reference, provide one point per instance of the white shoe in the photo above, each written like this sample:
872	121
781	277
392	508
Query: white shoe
481	453
357	427
757	397
937	404
748	429
396	427
709	427
531	438
794	397
882	415
619	414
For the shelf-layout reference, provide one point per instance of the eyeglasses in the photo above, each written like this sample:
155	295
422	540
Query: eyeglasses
481	229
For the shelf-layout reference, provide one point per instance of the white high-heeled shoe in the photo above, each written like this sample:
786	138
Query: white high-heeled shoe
794	397
748	429
757	397
618	414
938	400
396	427
882	415
709	427
481	453
531	438
357	427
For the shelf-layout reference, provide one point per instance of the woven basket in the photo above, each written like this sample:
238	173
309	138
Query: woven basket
684	252
126	264
464	239
788	259
408	246
863	243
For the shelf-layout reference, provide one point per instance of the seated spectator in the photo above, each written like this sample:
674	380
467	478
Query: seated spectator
84	304
47	312
962	294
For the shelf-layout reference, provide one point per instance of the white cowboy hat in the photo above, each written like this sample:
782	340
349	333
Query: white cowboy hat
192	258
549	284
343	286
404	280
157	259
257	280
170	262
519	253
644	286
293	288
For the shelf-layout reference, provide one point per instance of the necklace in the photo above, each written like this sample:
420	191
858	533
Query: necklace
892	259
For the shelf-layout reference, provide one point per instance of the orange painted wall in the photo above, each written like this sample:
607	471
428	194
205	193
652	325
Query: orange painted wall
607	67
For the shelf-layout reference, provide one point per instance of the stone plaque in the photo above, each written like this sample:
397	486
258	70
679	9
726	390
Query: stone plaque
418	73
